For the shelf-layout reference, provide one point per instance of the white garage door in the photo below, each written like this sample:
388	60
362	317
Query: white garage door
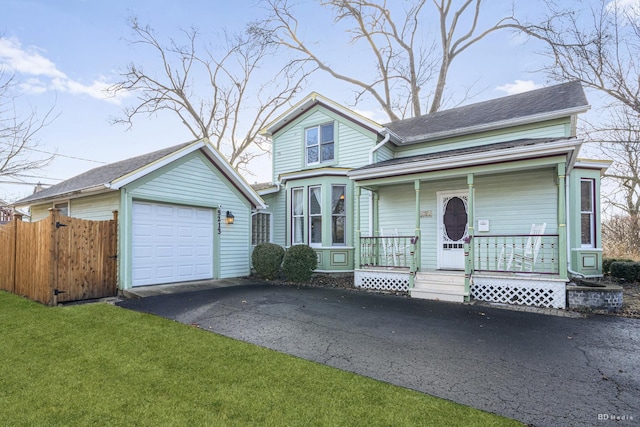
171	243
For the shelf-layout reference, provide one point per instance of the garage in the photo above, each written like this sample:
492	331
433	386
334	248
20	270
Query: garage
171	243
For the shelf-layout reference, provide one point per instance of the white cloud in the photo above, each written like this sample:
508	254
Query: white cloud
26	60
519	86
29	62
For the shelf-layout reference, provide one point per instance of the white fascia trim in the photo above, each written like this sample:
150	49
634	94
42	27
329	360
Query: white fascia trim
603	165
511	154
495	125
308	102
120	182
219	161
313	173
98	189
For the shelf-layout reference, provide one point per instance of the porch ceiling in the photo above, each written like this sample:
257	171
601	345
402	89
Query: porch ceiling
493	158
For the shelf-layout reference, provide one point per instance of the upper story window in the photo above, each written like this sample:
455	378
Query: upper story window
319	144
587	213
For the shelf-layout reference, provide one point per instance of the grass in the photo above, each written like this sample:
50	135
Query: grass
98	364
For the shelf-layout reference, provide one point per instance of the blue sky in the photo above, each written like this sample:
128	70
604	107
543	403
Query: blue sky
66	52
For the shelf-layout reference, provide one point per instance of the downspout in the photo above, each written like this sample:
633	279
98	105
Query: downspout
373	149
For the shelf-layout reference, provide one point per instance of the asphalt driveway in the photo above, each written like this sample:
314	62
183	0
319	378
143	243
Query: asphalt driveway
541	370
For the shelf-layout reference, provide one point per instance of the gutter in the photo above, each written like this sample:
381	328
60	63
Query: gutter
386	139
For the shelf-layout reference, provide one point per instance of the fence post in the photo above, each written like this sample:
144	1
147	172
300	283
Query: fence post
17	217
54	217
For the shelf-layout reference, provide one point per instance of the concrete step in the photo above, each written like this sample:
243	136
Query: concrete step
438	294
429	279
440	286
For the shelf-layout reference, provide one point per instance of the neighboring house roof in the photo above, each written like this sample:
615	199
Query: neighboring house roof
527	107
116	175
312	100
491	153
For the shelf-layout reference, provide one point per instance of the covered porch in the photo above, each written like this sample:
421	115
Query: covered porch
492	231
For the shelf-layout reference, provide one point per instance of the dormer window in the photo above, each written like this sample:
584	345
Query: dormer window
319	144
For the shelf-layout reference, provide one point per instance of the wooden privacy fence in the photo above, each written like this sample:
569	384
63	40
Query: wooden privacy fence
59	259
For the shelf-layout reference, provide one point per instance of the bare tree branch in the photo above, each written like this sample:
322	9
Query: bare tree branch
220	93
18	134
406	64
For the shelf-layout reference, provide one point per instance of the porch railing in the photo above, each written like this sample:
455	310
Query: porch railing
517	253
387	251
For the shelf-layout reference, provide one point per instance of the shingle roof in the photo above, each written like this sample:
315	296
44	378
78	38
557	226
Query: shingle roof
100	175
495	148
461	120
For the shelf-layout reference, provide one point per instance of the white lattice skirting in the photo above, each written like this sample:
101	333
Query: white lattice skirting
382	280
520	291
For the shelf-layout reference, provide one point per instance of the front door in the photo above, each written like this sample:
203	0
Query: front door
452	228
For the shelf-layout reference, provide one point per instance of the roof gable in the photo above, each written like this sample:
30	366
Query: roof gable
309	102
116	175
528	107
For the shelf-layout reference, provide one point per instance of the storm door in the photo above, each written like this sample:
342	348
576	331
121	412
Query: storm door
452	229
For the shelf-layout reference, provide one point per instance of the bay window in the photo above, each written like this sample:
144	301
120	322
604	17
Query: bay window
587	213
315	215
297	216
338	214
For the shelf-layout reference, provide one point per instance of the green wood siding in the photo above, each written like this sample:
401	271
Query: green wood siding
513	202
553	129
278	208
96	208
40	212
352	143
510	201
194	181
384	153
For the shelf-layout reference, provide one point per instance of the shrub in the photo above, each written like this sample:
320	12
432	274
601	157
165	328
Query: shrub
606	263
266	259
299	263
629	271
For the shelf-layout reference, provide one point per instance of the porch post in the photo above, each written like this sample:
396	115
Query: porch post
375	207
356	214
562	221
417	233
471	252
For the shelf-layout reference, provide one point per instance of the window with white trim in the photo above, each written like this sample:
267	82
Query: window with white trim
319	144
260	228
338	215
587	213
315	215
64	208
297	216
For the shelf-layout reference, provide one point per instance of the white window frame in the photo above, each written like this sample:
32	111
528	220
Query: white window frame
343	215
319	143
313	216
56	205
294	216
591	212
269	228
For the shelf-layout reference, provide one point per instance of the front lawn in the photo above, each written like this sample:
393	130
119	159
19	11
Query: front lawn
98	364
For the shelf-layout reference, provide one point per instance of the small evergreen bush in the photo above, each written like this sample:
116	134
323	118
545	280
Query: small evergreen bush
606	263
267	259
299	263
629	271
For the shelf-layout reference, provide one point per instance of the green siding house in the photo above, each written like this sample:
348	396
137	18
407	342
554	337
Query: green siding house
488	201
172	209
